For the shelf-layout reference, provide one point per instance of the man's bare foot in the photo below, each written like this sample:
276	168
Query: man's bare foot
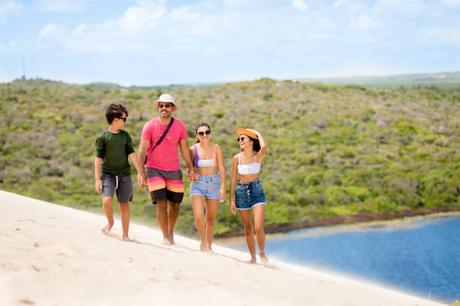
106	229
263	258
168	242
204	247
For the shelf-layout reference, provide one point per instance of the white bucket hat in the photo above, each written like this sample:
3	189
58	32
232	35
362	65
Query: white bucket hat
167	98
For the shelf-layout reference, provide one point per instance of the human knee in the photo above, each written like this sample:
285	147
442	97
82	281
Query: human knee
259	228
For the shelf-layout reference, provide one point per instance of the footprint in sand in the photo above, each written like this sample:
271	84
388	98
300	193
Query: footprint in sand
26	302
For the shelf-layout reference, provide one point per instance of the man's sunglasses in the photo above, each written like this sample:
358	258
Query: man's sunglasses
167	105
207	132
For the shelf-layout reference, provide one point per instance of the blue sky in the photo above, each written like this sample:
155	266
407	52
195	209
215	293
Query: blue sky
172	42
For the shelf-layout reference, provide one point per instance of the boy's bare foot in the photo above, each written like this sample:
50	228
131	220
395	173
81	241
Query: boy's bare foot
106	229
263	258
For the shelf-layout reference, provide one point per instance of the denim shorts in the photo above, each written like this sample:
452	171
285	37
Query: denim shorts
249	195
122	185
207	186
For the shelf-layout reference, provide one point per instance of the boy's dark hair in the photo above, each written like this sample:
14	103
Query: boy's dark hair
115	111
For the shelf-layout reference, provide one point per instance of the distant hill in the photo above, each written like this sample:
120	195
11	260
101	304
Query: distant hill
421	79
337	153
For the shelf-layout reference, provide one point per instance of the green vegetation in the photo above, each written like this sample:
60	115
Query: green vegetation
337	153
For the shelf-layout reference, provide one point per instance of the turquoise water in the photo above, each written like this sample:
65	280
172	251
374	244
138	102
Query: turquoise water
422	258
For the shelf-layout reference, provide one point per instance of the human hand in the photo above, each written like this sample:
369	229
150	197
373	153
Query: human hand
232	207
141	180
191	174
222	195
98	185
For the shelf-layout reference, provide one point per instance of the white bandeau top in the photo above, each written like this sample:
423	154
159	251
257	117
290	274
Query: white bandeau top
252	168
206	163
203	163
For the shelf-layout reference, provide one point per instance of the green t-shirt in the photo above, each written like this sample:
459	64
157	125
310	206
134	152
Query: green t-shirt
114	150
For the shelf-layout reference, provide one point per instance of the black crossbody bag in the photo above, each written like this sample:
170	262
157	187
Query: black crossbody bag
158	143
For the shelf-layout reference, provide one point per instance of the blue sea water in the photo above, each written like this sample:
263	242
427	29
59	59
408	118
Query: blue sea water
422	258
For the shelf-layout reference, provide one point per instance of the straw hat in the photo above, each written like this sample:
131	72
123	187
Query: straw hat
245	131
167	98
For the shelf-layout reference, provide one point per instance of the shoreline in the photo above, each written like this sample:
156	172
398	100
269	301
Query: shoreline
56	255
353	220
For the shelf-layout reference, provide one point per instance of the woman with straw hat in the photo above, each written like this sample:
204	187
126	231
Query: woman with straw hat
246	191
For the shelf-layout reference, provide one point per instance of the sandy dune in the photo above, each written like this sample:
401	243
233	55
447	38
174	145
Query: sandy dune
54	255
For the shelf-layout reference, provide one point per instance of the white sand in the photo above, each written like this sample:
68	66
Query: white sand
54	255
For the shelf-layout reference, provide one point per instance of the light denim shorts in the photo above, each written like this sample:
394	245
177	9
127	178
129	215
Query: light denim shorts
249	195
207	186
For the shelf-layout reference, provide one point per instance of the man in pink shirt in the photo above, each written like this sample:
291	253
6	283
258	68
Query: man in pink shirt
162	168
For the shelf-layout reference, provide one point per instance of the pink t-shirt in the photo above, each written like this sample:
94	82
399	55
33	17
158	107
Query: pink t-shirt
165	156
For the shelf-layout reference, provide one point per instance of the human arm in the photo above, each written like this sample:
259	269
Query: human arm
140	170
233	178
141	155
97	174
263	146
186	156
221	166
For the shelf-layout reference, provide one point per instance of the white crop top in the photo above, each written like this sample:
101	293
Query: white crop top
252	168
203	163
206	163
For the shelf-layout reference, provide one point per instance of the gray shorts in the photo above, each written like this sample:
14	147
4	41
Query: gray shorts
121	184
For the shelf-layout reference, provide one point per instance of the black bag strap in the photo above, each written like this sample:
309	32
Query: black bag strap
161	138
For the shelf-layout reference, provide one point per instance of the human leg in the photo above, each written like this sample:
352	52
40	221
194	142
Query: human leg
211	212
124	195
125	215
245	216
162	219
108	211
259	216
198	206
173	213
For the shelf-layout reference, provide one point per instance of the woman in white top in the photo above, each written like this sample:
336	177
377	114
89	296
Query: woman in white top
208	186
248	194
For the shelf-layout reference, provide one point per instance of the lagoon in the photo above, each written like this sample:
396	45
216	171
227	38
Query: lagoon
420	256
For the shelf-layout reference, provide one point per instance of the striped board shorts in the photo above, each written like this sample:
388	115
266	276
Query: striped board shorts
165	185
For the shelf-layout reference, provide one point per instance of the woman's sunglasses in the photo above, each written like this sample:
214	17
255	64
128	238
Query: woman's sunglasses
242	138
207	132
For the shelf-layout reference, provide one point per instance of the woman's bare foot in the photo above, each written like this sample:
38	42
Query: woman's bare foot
253	261
125	238
106	229
263	258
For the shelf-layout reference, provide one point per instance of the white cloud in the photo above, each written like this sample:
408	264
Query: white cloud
48	30
58	5
451	2
142	17
362	23
448	36
300	5
8	7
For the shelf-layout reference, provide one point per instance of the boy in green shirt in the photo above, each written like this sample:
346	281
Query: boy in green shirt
111	167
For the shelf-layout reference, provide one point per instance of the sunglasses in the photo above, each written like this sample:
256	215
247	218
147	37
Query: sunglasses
207	132
123	118
166	105
242	138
